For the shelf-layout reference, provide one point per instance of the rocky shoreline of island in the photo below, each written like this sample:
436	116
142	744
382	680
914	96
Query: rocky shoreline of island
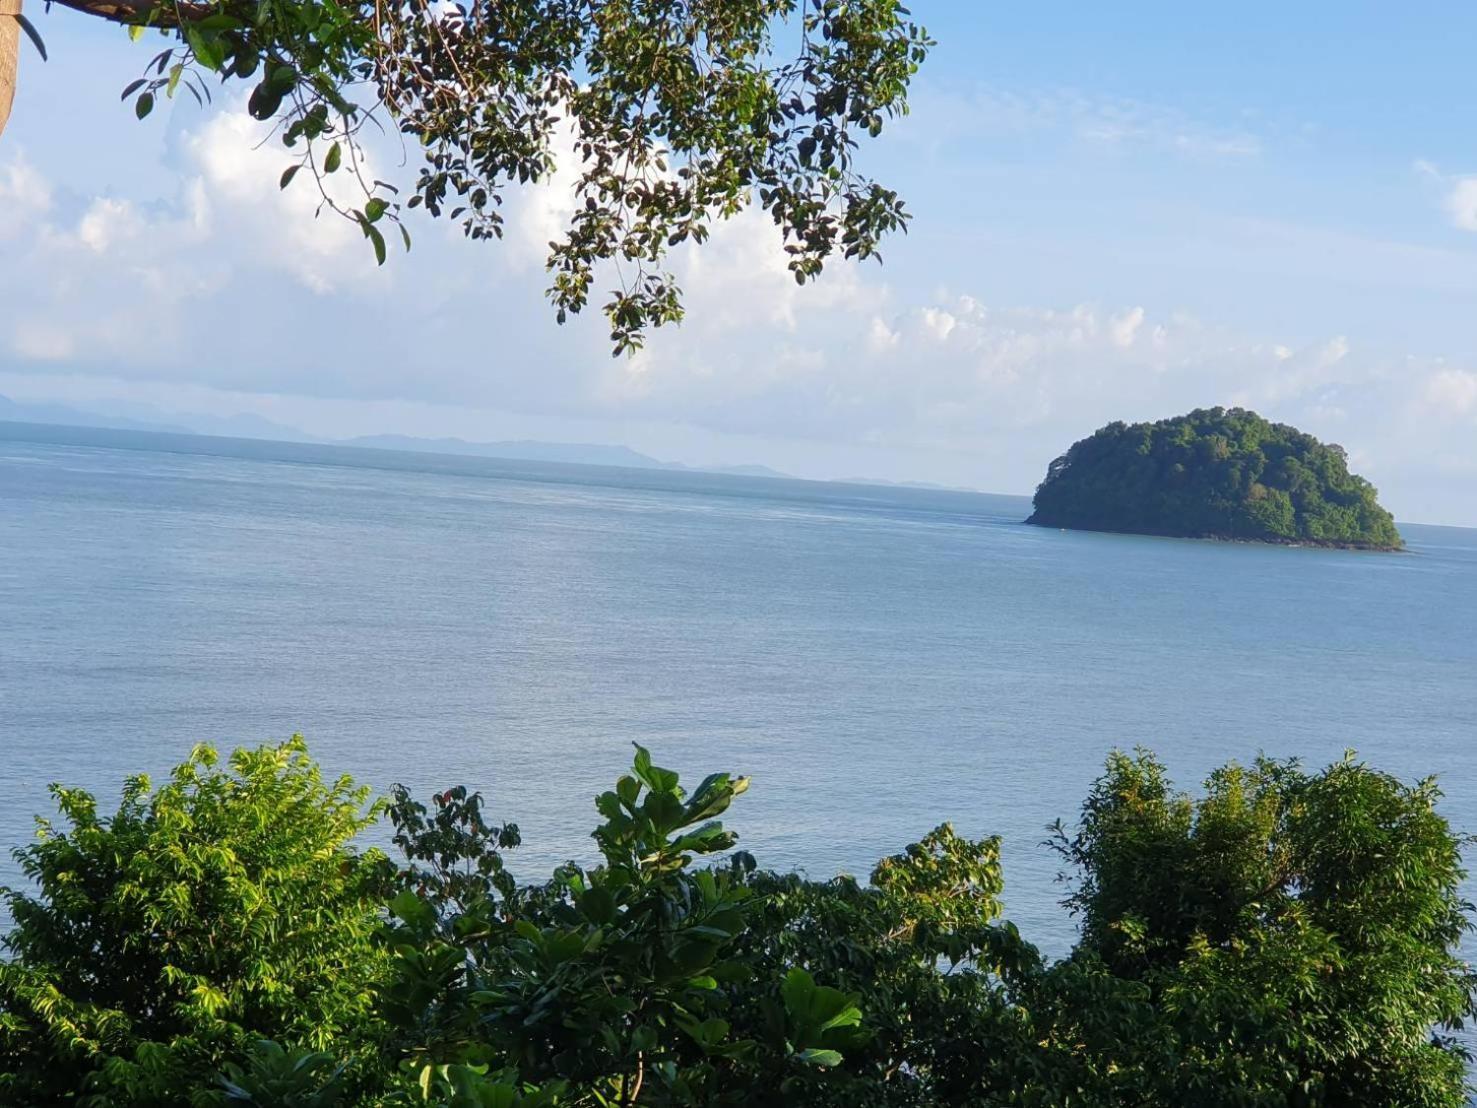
1291	544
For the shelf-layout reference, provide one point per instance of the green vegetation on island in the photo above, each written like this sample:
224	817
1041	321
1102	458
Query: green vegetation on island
1287	940
1215	473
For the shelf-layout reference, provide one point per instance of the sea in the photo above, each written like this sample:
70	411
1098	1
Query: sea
878	660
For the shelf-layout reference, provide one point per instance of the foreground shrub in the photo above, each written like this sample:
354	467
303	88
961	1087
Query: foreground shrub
922	946
220	909
1294	937
615	985
1286	940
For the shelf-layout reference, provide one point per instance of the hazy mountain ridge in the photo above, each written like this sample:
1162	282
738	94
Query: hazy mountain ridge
65	416
246	425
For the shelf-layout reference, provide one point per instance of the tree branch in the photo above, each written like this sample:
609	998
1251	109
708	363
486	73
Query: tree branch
142	14
10	36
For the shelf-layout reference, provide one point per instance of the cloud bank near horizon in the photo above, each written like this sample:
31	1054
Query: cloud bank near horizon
228	290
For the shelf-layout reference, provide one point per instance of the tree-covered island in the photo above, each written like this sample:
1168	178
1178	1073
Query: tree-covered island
1215	473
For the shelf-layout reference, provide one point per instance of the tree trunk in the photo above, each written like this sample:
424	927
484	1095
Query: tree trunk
10	40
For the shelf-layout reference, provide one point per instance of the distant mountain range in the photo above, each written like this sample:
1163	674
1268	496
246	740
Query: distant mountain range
241	426
255	427
590	454
931	486
247	426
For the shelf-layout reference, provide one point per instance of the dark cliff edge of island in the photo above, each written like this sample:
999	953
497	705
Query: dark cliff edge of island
1220	474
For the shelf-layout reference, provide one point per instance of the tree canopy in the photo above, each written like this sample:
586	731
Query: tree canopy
1215	473
220	908
1287	939
676	114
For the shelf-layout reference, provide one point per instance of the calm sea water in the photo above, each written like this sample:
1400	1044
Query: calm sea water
878	660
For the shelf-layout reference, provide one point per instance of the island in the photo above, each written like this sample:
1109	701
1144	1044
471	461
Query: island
1216	473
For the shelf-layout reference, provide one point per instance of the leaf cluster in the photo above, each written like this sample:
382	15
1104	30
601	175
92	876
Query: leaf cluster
220	908
677	113
606	986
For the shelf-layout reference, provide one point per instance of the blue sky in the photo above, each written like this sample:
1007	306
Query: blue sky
1121	211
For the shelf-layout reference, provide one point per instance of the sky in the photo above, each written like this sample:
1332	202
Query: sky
1120	212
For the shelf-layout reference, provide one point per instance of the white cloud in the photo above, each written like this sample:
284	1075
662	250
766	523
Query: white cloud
1452	392
881	337
938	323
106	223
1333	351
25	197
110	280
1124	327
1461	203
1459	197
109	283
232	285
238	165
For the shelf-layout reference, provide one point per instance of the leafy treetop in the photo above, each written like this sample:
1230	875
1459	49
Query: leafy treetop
1284	939
220	907
680	112
1215	473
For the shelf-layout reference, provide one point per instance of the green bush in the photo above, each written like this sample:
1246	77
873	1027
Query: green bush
1286	940
609	986
1295	934
220	909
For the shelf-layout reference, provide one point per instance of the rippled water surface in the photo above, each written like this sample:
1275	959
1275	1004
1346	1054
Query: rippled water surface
879	660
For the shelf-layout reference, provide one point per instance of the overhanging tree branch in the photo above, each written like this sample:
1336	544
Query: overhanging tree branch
163	16
670	115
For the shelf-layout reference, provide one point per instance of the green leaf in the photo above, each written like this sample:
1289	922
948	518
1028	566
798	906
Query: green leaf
411	909
333	159
143	105
814	1057
288	174
627	790
264	101
655	778
815	1007
375	209
597	905
209	48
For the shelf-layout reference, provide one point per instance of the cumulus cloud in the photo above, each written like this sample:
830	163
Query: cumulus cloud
1459	194
231	284
276	227
1461	203
1124	327
1451	392
107	283
25	197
